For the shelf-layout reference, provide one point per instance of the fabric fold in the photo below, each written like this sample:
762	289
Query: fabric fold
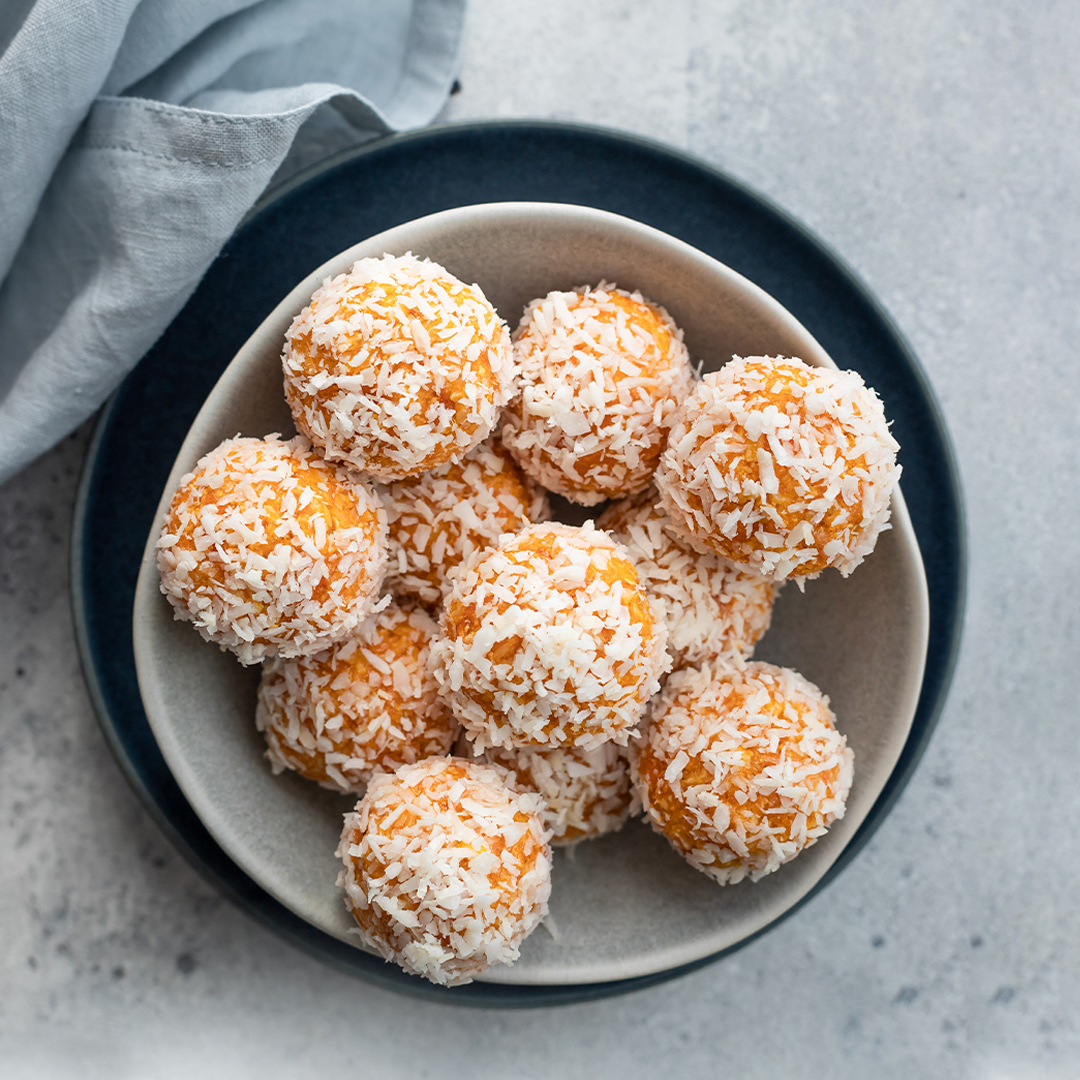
148	190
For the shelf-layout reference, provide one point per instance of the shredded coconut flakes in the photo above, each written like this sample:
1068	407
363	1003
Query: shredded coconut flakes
586	793
368	703
548	639
272	551
397	367
439	519
602	372
711	608
447	868
781	467
742	768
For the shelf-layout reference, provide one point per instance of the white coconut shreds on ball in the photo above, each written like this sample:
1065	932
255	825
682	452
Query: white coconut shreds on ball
782	468
447	868
742	768
711	608
442	517
586	793
548	639
366	704
602	371
272	551
397	367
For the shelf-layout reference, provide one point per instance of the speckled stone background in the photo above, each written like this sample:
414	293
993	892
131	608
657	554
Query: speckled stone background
936	145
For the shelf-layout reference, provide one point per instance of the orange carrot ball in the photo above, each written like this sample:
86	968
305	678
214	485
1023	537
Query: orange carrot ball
602	372
742	768
440	518
397	367
366	704
272	551
783	468
447	868
548	639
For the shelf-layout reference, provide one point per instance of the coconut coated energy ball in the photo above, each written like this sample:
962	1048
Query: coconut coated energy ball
783	468
366	704
440	518
586	793
397	367
447	868
548	639
272	551
602	371
742	768
711	608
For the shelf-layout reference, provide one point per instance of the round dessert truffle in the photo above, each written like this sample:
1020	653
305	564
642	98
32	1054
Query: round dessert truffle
397	367
782	468
272	551
440	518
711	608
602	372
548	639
587	793
742	768
364	705
447	868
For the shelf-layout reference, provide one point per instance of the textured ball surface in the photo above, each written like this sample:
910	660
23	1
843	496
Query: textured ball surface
602	372
440	518
447	868
397	367
586	793
711	608
548	639
366	704
783	468
741	769
272	551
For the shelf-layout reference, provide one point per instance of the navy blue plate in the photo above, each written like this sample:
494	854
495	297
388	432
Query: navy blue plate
385	183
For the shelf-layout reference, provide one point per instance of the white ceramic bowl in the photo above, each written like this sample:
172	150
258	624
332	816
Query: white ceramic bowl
625	905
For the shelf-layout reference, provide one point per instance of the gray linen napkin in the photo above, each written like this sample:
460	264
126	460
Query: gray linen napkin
135	135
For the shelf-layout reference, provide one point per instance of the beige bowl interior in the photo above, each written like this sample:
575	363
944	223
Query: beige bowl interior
625	905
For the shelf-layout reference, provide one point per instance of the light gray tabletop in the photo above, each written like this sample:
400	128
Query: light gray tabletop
936	145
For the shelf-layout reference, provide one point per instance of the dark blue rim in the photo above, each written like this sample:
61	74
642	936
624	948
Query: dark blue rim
377	186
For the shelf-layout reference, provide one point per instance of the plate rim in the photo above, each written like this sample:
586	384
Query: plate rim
505	995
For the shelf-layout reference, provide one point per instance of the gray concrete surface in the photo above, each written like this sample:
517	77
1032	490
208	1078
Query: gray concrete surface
935	144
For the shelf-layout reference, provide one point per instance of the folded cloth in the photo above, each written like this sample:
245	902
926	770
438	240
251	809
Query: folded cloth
135	135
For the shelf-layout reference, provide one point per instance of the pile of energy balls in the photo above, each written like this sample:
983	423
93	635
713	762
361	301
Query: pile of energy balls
493	682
